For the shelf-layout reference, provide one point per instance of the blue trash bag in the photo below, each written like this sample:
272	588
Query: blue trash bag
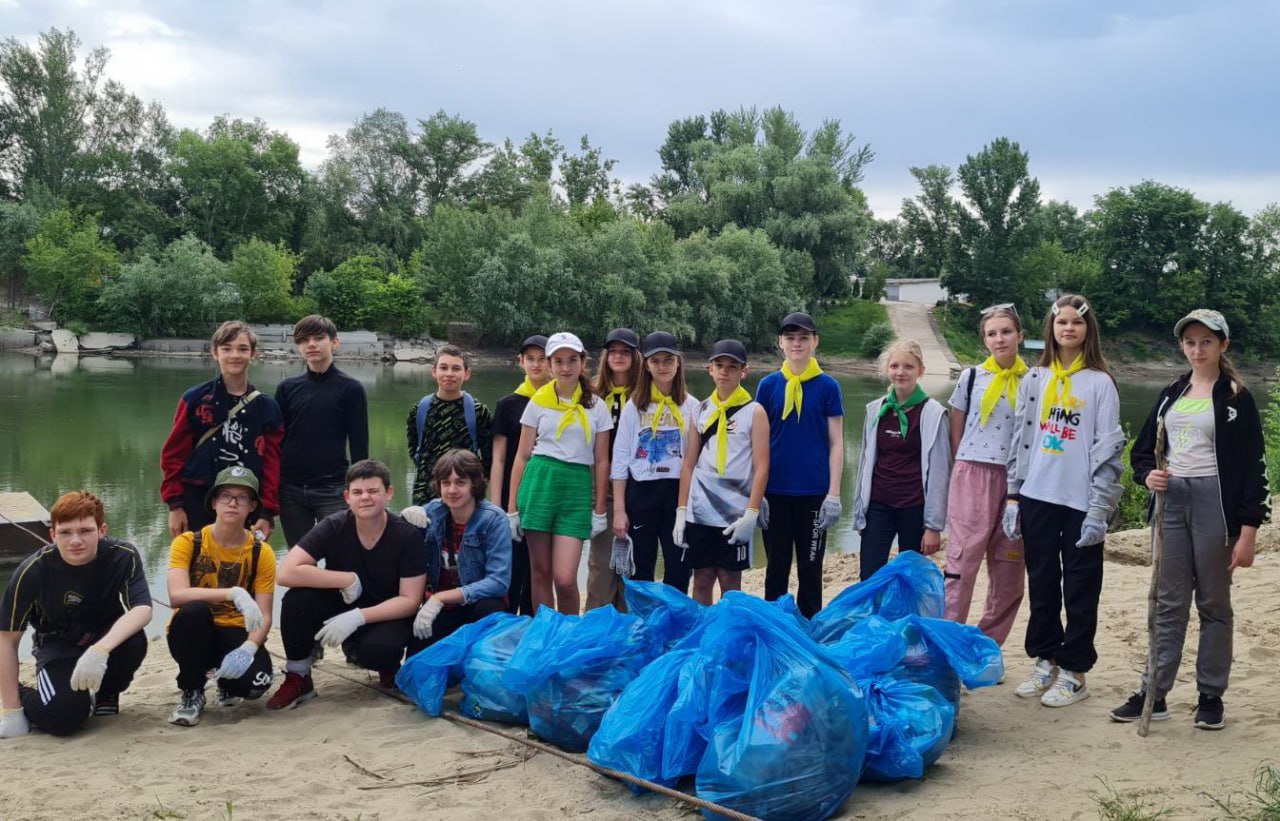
572	668
871	648
784	729
787	604
630	738
428	673
943	654
668	614
909	585
484	696
911	726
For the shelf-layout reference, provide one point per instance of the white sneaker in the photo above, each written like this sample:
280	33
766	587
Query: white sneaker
1040	679
1067	689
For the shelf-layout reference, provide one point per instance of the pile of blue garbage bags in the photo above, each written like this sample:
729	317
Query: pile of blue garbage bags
772	714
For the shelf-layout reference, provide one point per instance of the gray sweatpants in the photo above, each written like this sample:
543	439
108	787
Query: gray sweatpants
1196	555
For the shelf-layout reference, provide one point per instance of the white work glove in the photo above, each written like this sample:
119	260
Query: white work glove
677	532
89	670
830	512
339	628
247	607
426	617
513	521
13	723
236	663
416	516
599	523
622	560
352	591
1009	523
763	520
740	532
1092	532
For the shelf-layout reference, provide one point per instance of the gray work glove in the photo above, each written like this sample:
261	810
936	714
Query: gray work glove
416	515
339	628
1092	532
236	663
622	560
247	607
1009	523
829	513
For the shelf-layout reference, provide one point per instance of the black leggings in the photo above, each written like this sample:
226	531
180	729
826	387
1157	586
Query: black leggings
52	706
199	645
651	510
519	593
884	523
377	646
793	526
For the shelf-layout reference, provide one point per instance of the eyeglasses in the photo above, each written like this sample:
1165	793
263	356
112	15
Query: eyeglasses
234	498
1003	306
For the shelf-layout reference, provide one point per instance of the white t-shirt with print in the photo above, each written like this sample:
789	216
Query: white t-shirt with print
571	446
643	455
982	443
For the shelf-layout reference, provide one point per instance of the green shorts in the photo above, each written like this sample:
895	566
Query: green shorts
555	497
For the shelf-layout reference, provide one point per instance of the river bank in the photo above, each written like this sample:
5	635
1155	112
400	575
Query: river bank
355	753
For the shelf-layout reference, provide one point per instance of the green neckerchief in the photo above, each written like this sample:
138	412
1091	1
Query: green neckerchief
891	403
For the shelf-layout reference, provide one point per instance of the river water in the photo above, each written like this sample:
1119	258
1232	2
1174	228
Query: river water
98	423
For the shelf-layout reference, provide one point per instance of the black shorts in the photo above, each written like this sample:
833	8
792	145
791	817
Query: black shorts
709	547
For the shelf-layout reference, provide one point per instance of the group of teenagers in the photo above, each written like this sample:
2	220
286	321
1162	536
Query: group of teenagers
1023	470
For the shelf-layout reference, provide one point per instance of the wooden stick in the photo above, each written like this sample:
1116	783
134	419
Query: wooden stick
1153	592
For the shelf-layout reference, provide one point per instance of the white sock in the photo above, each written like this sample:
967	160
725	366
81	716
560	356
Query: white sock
302	668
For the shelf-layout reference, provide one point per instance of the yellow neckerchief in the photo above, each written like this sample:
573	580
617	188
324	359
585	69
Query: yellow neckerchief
721	414
526	389
615	399
794	395
1061	377
1005	381
546	397
664	401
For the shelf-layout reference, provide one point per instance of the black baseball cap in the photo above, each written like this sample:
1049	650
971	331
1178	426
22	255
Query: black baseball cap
535	341
731	348
661	342
798	320
624	335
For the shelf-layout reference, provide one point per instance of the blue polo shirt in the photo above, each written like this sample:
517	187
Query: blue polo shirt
799	447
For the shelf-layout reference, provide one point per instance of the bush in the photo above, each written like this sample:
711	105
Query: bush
1271	430
876	339
263	274
844	325
181	291
1132	510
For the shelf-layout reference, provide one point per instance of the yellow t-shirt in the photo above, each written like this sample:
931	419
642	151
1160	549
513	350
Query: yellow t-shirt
222	567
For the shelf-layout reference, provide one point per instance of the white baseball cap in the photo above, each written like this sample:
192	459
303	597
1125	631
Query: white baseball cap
564	339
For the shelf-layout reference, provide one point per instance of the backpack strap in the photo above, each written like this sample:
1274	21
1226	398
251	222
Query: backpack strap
468	415
253	566
197	538
968	394
235	409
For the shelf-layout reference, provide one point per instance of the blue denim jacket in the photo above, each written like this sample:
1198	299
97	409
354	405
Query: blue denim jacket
484	557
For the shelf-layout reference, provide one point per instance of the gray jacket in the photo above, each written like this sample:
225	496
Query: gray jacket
935	463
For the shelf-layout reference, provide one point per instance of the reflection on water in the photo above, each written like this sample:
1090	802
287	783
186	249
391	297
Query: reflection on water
98	423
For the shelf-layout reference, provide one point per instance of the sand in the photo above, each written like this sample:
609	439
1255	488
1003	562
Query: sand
355	753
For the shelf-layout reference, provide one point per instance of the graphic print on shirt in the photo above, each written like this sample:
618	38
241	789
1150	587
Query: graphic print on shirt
1061	426
664	445
207	573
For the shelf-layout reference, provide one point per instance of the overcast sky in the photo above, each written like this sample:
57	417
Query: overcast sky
1101	94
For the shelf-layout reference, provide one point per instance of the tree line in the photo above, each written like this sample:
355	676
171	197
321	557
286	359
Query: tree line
113	217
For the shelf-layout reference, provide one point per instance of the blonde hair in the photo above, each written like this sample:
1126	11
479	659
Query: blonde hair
907	346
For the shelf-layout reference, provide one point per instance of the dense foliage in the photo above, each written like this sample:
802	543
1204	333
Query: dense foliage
110	216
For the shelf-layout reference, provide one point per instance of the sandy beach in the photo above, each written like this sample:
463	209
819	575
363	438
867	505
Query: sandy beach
355	753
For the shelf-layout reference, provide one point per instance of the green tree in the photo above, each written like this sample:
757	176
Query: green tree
585	175
361	293
19	222
456	242
67	262
445	148
263	275
995	226
181	291
929	223
512	176
239	180
1147	239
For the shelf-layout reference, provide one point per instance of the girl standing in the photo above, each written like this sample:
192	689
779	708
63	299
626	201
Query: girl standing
980	437
562	465
1064	485
649	445
902	472
723	478
616	379
1215	497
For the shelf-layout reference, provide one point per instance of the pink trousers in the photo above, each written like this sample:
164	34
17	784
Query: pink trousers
975	506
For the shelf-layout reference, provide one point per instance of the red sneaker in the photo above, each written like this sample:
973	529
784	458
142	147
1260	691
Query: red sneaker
294	690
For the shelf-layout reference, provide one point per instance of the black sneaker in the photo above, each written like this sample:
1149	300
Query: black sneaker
106	704
1131	710
1210	714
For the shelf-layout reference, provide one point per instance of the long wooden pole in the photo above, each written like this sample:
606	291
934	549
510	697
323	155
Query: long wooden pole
1153	592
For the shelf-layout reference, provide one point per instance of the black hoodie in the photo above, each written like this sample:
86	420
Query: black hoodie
1237	443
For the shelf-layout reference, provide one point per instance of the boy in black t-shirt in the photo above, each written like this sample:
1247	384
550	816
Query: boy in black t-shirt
506	439
366	596
86	597
447	419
